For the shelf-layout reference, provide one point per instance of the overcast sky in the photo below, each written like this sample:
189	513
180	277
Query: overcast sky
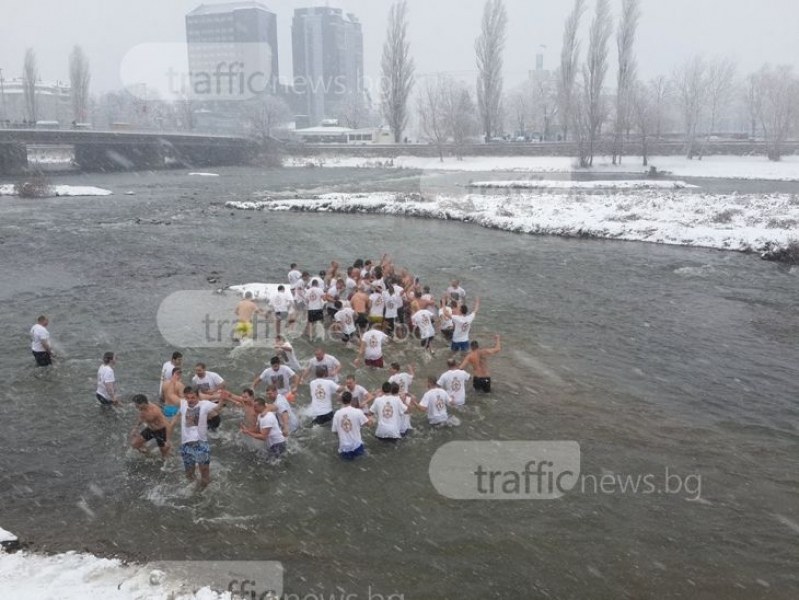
442	33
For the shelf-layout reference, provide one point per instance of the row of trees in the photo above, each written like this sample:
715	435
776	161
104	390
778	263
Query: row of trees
693	99
79	79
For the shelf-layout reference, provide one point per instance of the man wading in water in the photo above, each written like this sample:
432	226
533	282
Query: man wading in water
478	360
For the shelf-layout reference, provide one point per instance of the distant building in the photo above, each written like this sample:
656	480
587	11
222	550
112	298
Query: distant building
330	132
53	102
233	48
327	49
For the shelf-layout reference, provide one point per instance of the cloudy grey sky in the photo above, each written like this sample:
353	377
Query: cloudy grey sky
442	32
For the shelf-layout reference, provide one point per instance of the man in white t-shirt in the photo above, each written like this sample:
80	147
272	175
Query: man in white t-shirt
388	409
371	348
106	392
267	428
435	402
329	363
423	320
294	276
315	302
289	422
166	371
322	392
345	316
463	324
454	382
403	380
377	305
456	292
281	304
279	375
286	352
347	423
194	447
209	386
40	342
392	300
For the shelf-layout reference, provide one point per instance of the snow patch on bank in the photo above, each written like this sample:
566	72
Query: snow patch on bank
61	190
73	576
205	174
543	184
744	223
727	167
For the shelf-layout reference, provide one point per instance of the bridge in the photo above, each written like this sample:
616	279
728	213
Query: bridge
96	150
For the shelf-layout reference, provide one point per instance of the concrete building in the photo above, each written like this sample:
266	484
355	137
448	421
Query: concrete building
53	102
327	50
233	50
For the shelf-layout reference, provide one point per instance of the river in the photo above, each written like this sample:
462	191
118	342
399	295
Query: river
654	359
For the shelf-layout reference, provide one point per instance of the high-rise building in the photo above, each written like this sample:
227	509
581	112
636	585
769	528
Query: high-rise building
327	47
233	50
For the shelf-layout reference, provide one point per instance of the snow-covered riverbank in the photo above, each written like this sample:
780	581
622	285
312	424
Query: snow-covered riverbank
730	222
731	167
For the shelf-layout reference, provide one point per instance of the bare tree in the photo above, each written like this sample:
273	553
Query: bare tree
79	79
461	116
30	75
569	59
594	72
690	82
432	110
489	47
660	89
397	71
778	106
545	105
720	85
643	100
354	111
265	114
520	107
752	99
625	39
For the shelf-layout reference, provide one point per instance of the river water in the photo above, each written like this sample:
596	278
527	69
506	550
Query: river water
655	359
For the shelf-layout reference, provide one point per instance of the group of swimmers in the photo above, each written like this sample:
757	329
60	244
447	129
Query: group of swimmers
367	304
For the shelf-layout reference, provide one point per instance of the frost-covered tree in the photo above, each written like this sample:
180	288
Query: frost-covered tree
79	79
778	106
720	87
690	85
30	75
461	116
594	72
432	104
265	113
569	60
625	41
397	70
489	47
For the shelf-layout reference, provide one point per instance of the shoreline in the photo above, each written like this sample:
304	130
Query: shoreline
615	217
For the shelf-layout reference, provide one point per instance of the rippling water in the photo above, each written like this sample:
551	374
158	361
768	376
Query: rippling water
651	357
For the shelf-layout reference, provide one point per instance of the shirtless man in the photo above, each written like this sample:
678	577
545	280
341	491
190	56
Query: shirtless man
244	312
247	404
173	393
156	427
360	304
477	359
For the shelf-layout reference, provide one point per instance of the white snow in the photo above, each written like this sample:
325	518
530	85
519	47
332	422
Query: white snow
7	536
732	167
73	576
730	222
205	174
569	184
62	190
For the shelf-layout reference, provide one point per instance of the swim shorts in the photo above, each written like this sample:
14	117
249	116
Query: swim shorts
195	453
159	435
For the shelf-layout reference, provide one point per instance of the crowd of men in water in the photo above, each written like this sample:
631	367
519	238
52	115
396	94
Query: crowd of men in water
366	305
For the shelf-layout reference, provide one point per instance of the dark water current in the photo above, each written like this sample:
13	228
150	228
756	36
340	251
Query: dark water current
651	357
